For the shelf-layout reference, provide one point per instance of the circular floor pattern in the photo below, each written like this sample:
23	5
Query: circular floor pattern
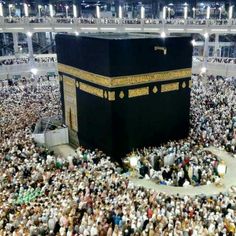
227	182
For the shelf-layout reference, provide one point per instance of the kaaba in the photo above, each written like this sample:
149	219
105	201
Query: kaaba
121	92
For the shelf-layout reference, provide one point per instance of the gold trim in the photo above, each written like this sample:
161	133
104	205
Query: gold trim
77	84
155	89
122	81
121	94
70	103
92	90
105	94
84	75
169	87
183	85
164	49
138	92
68	81
190	83
111	96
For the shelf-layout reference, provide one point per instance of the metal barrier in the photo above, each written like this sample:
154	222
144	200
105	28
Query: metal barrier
48	24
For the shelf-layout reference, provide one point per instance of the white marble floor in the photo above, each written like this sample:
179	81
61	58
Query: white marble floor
228	181
63	150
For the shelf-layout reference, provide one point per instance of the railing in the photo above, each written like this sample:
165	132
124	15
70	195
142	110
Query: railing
24	59
26	69
53	57
11	66
223	66
127	21
73	25
221	60
76	25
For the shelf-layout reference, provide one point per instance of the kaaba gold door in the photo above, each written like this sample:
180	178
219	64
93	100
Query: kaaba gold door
70	102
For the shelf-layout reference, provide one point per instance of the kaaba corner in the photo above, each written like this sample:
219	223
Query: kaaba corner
120	92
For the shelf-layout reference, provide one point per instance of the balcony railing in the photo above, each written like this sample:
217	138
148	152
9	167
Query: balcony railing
73	25
105	21
45	63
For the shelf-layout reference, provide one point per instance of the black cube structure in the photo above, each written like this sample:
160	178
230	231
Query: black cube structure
125	91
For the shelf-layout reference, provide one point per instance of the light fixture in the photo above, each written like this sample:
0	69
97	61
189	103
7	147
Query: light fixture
194	12
185	12
108	28
193	42
203	70
1	9
120	12
220	9
208	12
164	13
206	35
63	28
51	10
163	34
26	10
9	7
231	12
142	12
42	28
39	10
67	7
98	11
133	160
169	9
75	11
34	71
29	34
221	169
